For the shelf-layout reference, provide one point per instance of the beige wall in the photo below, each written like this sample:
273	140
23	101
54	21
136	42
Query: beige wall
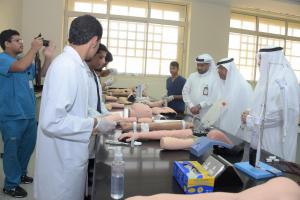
10	15
285	7
43	16
208	30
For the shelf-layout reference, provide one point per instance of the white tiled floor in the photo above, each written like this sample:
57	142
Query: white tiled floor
27	187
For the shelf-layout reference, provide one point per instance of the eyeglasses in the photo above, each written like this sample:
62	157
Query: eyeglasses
17	40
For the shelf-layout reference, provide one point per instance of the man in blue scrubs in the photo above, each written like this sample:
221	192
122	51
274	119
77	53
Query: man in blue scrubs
17	108
175	85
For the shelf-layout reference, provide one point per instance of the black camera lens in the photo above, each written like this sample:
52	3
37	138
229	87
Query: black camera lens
45	43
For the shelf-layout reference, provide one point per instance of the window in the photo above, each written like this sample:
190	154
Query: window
168	11
292	53
127	44
243	22
161	47
129	8
242	47
250	33
95	6
144	37
294	29
271	26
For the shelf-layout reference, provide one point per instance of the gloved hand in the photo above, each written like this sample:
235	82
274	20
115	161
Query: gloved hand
113	71
92	112
169	98
105	126
109	82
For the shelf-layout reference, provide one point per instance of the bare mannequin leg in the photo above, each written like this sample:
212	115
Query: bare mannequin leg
170	143
275	189
218	135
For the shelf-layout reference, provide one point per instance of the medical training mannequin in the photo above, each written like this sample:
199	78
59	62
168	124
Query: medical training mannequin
174	139
271	190
154	126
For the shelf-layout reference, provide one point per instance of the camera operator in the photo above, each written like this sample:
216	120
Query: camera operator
17	107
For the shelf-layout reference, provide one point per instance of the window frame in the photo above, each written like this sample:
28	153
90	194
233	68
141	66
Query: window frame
181	45
259	34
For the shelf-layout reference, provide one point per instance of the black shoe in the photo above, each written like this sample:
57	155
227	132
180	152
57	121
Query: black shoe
26	179
16	192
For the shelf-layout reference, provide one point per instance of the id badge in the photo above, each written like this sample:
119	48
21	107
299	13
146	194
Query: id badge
205	90
30	84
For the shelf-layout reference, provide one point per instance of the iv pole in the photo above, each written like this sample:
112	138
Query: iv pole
255	168
262	120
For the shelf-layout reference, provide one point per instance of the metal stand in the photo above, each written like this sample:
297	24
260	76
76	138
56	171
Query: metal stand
255	168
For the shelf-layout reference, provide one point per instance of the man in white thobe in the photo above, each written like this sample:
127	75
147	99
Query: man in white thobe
64	126
236	94
279	136
201	88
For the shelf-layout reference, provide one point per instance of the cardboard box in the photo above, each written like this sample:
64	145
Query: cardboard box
192	177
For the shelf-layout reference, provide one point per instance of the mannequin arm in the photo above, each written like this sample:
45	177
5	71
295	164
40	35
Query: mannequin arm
171	143
156	135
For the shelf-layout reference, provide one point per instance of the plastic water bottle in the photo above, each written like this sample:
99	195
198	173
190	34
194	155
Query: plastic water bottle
117	175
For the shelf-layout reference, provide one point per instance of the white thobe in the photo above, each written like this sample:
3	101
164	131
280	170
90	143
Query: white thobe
200	89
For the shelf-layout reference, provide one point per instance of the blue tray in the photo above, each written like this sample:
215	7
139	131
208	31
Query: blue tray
265	170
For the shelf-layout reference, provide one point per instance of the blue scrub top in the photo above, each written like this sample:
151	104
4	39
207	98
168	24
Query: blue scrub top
175	88
17	100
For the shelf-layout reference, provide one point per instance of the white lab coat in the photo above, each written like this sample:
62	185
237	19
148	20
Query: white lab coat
193	91
282	107
64	130
93	98
92	101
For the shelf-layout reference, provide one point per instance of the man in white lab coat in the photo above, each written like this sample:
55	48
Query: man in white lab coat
236	94
282	104
95	100
64	126
201	88
95	89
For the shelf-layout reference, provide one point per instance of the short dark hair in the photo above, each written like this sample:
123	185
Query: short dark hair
174	64
102	47
83	29
108	57
6	35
